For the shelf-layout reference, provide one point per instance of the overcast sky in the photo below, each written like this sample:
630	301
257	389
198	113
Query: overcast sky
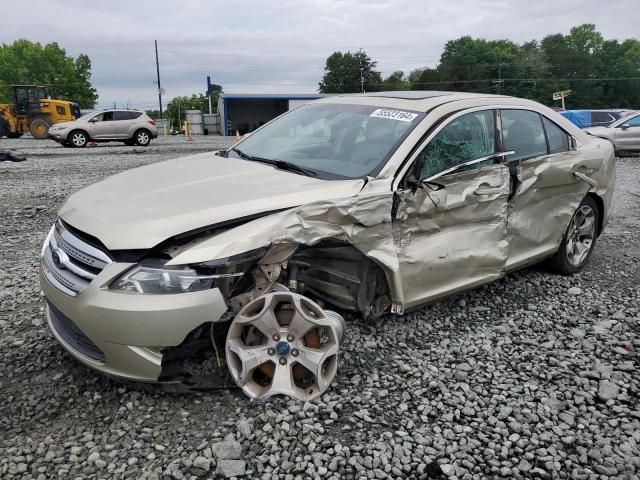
280	46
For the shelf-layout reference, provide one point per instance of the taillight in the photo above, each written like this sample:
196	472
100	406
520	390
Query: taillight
151	122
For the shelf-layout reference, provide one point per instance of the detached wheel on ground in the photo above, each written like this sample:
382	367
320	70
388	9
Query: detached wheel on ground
578	241
39	127
284	344
13	134
142	138
78	139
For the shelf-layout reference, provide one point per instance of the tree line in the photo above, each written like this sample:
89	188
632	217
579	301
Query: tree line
601	73
68	78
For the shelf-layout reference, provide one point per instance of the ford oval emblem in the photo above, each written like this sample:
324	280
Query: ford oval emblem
57	257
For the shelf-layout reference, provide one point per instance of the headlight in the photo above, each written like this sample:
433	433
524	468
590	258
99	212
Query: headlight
57	127
153	276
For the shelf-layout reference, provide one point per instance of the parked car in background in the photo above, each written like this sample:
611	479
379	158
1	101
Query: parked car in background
623	133
369	203
594	118
129	126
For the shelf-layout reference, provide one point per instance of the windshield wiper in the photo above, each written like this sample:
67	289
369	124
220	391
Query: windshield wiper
281	164
292	167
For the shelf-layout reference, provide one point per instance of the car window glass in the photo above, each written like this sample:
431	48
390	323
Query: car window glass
601	117
466	138
107	117
558	138
97	118
523	133
121	116
634	122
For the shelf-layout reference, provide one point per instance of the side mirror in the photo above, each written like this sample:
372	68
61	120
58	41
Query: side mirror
625	126
93	120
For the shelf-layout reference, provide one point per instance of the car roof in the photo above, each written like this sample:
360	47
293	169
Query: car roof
418	100
119	110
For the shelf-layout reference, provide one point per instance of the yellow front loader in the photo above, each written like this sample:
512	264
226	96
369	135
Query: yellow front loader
34	111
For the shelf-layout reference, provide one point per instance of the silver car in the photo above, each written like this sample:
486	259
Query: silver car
129	126
232	266
623	133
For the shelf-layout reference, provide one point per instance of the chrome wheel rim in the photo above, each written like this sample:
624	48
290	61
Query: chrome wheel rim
143	138
581	234
268	355
78	139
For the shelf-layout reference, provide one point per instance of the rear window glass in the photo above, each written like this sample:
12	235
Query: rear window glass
126	115
558	139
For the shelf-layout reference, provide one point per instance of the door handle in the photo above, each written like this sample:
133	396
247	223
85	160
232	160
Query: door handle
488	190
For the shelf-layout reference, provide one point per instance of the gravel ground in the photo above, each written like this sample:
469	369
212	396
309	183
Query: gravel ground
534	376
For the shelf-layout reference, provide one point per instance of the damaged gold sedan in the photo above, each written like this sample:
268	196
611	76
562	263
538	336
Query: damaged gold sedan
224	268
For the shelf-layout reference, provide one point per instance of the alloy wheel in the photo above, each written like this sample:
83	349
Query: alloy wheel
581	234
78	139
142	138
284	344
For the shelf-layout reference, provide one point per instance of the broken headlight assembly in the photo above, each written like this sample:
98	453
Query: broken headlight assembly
153	276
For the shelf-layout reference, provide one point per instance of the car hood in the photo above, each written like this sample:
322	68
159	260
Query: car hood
600	131
140	208
64	124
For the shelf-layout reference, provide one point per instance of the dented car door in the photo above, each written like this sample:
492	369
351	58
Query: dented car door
450	228
550	179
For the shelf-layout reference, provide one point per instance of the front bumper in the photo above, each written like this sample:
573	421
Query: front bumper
58	135
121	334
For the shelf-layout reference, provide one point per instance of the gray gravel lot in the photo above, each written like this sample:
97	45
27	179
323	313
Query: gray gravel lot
534	376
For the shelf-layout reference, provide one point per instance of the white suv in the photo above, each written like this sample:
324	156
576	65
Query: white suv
130	126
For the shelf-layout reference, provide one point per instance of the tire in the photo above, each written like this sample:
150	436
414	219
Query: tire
39	127
142	138
578	241
78	139
13	134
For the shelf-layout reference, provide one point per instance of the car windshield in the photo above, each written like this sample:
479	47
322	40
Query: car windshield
87	115
332	141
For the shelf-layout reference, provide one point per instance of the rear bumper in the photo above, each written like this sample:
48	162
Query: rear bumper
122	334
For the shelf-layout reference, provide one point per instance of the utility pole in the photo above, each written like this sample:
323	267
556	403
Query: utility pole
498	83
158	73
361	76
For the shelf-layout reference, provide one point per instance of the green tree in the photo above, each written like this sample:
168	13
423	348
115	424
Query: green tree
343	73
197	101
25	62
395	81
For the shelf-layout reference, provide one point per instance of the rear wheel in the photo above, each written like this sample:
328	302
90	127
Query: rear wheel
39	127
578	241
78	139
142	138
